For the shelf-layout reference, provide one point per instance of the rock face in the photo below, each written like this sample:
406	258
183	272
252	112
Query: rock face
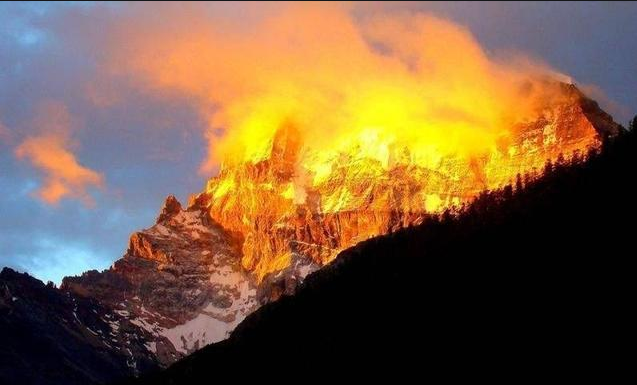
260	228
171	208
180	281
54	337
285	212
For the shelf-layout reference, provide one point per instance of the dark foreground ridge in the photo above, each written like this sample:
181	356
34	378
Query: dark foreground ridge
532	279
48	336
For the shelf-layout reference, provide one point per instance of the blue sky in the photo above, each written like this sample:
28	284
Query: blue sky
148	146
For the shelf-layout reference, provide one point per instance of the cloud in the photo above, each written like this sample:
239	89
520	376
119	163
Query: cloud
403	78
51	151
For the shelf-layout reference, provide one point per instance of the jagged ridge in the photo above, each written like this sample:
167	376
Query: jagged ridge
283	214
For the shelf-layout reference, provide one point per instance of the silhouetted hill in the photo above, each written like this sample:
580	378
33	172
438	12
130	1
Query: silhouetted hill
533	279
51	337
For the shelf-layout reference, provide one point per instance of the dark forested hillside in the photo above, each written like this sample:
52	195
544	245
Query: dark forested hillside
533	279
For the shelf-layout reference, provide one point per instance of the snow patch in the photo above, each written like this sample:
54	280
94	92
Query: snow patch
152	347
203	329
114	325
226	276
152	328
123	313
305	270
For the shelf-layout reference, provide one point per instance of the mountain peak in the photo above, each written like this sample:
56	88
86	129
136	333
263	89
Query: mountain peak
171	207
315	202
8	273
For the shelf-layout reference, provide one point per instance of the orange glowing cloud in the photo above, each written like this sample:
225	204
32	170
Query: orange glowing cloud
50	150
373	82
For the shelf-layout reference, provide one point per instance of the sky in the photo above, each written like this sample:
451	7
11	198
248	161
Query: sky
89	149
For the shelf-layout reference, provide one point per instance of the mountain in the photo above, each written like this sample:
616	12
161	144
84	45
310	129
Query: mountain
287	210
529	282
259	228
180	280
49	336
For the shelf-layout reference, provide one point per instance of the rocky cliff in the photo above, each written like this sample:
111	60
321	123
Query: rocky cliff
284	211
